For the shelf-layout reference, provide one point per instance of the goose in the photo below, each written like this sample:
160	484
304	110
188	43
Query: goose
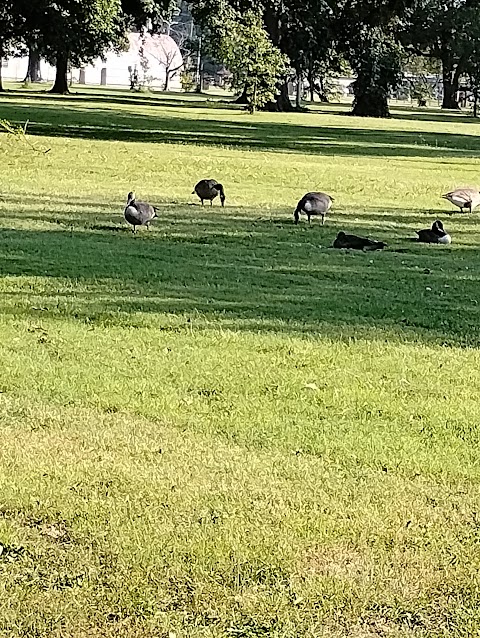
358	243
313	204
464	198
209	189
138	213
434	235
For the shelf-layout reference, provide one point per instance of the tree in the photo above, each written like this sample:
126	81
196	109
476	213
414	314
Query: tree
376	63
308	40
272	14
75	33
242	44
445	30
170	62
33	69
367	36
12	23
147	15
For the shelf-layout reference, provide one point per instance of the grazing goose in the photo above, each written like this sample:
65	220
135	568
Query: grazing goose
138	213
434	235
209	189
358	243
464	198
313	204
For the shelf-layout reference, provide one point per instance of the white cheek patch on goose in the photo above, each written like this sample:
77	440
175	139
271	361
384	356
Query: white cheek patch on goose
308	206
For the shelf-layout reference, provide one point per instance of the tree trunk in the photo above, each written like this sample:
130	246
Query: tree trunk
242	98
475	101
371	98
61	83
167	80
368	104
450	86
33	71
1	77
320	88
282	102
311	88
298	92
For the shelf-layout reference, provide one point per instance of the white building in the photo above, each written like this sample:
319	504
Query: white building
151	57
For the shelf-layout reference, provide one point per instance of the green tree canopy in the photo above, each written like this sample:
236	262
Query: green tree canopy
242	43
76	32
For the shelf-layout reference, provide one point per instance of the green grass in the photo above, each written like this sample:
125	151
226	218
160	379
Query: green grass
224	427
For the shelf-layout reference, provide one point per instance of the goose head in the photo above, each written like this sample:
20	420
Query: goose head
130	197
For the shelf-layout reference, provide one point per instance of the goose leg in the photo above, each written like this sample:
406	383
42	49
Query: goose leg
309	221
323	220
211	202
202	202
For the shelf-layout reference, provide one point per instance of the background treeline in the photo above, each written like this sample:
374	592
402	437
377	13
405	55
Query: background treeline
264	45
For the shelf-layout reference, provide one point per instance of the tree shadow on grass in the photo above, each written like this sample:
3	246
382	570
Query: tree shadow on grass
79	120
122	97
258	275
432	115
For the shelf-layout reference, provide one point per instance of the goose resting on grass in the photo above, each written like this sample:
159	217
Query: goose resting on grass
313	204
138	213
357	243
464	198
434	235
209	189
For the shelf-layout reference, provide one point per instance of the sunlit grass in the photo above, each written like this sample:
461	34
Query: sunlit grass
223	426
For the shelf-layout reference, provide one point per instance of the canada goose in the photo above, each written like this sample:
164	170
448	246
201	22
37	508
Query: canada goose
434	235
358	243
313	204
209	189
464	198
138	213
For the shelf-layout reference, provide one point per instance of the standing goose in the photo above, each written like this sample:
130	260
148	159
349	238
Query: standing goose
138	213
209	189
357	243
313	204
464	198
434	235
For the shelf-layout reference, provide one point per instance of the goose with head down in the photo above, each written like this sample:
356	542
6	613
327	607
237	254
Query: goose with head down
209	189
312	204
468	198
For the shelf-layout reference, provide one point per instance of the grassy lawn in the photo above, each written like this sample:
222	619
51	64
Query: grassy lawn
223	426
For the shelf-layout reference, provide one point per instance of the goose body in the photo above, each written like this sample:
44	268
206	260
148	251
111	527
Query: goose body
313	204
464	198
357	243
208	189
434	235
138	213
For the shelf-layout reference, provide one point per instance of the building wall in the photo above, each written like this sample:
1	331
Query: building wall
158	51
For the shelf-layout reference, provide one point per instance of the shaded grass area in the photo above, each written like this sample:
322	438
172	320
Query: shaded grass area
262	271
223	426
212	124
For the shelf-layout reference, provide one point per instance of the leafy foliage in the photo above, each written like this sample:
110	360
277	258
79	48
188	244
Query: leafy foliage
377	66
80	31
147	14
242	43
446	31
